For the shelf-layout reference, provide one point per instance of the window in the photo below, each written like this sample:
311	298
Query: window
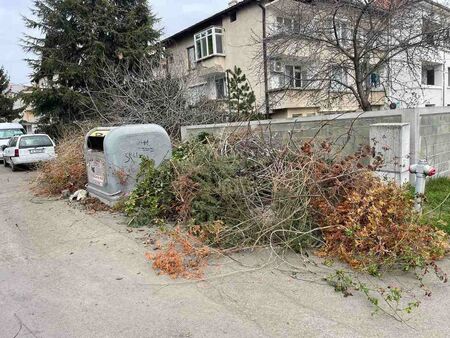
233	16
221	92
430	31
35	141
374	80
448	77
209	43
295	76
428	77
191	58
8	133
12	142
287	24
342	30
338	78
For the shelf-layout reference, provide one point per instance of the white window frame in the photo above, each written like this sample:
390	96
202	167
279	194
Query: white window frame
203	48
284	23
343	30
425	69
448	76
334	80
225	87
291	81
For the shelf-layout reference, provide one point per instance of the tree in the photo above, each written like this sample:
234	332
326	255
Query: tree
7	111
149	93
347	50
240	95
77	38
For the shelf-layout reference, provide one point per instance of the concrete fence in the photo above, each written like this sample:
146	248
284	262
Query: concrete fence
429	132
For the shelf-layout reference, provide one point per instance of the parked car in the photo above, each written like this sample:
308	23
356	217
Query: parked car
28	149
8	130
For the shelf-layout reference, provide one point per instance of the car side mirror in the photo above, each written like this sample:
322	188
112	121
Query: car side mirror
4	147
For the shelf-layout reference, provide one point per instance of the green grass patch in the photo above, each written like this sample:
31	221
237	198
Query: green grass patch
437	205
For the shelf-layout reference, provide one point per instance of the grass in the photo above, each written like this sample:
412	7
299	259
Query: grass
437	205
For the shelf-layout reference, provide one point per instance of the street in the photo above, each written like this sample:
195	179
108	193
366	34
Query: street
67	273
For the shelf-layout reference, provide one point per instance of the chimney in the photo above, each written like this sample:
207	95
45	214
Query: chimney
233	2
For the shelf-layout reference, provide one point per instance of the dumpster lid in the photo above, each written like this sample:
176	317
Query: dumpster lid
99	132
95	138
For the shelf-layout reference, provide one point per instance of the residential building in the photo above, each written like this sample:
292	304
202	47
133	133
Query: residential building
281	78
27	117
227	39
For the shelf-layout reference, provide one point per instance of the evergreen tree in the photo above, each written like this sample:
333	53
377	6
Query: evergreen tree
78	37
241	96
7	111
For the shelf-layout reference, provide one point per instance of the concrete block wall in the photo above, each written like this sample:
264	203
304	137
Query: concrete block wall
435	141
334	127
429	131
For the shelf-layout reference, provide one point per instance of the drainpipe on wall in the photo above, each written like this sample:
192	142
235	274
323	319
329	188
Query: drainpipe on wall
265	63
444	85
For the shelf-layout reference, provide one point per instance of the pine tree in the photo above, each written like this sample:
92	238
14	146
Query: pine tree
241	96
7	111
77	39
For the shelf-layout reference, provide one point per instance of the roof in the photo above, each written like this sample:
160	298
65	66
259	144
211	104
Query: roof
32	135
218	15
243	3
10	126
16	88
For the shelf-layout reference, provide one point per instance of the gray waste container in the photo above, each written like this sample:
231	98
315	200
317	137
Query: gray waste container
113	157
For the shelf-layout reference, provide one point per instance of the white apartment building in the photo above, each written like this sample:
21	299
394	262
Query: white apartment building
240	36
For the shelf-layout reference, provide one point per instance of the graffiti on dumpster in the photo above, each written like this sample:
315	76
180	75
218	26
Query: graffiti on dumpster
130	157
143	149
144	142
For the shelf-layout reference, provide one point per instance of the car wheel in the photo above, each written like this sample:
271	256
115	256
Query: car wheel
13	166
4	162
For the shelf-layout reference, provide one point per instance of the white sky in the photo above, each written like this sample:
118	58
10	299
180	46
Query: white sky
174	14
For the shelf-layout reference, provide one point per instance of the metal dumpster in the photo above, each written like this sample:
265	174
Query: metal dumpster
113	156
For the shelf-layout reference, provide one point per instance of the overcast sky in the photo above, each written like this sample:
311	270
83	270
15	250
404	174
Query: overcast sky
174	14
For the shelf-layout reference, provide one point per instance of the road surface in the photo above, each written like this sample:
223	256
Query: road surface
65	273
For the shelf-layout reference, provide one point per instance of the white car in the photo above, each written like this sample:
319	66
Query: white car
8	130
28	149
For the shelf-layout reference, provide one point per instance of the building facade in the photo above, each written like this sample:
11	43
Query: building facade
27	117
282	79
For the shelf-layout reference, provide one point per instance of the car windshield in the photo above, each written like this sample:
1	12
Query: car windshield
8	133
35	141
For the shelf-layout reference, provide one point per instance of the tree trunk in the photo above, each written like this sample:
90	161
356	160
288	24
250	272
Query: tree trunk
365	103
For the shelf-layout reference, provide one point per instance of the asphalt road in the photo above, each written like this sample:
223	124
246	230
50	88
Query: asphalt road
65	273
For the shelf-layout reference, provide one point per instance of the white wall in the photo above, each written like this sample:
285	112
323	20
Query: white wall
409	89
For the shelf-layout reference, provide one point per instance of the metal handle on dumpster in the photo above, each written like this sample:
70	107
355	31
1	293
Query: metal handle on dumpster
102	192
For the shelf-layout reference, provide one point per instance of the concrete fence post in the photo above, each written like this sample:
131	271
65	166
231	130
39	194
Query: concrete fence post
412	116
391	141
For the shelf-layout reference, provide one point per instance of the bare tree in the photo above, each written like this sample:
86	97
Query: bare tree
347	51
155	92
